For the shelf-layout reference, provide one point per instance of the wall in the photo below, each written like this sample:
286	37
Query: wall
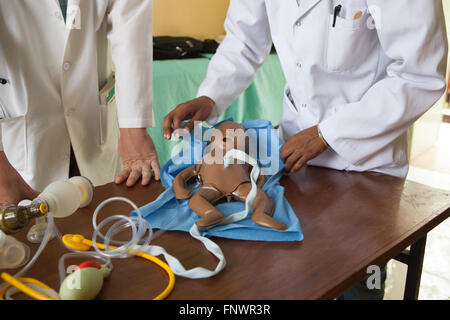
200	19
447	10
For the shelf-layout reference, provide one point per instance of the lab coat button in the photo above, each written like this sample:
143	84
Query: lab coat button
299	65
67	65
70	112
58	15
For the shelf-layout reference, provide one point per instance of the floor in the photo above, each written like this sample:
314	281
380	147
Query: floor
431	168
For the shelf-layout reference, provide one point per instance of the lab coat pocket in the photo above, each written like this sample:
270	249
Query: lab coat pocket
290	116
9	107
109	142
109	127
350	41
103	122
14	140
13	128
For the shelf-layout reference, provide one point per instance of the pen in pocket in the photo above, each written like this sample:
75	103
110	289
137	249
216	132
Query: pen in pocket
337	11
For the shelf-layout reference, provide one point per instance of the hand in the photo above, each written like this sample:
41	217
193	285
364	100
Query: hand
198	109
302	147
139	157
13	188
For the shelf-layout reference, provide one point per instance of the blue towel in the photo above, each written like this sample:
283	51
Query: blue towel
168	213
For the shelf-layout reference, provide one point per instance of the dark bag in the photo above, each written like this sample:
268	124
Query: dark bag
165	47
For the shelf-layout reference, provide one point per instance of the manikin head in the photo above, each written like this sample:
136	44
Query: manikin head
225	137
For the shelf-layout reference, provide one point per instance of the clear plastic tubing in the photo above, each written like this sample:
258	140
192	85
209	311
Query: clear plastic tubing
139	227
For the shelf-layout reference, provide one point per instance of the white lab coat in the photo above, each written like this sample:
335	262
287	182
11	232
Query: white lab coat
54	75
364	82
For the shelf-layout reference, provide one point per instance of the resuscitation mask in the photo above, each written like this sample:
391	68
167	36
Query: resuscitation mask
13	253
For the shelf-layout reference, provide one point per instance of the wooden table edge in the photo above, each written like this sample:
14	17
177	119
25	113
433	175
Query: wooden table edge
382	257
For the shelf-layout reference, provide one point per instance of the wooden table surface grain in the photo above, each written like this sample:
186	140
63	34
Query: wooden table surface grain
349	221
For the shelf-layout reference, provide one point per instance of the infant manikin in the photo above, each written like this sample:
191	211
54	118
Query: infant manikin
219	181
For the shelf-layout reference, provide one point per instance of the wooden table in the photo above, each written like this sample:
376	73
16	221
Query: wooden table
350	221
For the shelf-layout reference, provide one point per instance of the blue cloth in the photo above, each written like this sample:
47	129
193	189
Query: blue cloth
168	213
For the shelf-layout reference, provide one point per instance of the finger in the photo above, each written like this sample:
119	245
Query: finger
146	174
167	125
299	164
285	152
122	176
134	176
189	126
177	120
156	169
291	160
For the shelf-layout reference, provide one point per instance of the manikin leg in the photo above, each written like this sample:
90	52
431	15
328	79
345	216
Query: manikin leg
263	207
202	203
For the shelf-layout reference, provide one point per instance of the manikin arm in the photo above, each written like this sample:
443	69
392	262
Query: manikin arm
180	181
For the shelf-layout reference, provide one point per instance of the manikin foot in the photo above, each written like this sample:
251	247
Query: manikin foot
264	220
210	218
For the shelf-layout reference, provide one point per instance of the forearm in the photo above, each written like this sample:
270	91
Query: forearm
133	139
7	172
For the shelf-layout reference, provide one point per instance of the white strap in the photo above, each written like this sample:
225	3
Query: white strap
242	156
178	268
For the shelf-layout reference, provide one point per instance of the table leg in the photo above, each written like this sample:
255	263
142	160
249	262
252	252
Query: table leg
413	258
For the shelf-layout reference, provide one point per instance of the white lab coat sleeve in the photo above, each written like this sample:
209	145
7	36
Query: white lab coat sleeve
130	34
244	49
413	35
